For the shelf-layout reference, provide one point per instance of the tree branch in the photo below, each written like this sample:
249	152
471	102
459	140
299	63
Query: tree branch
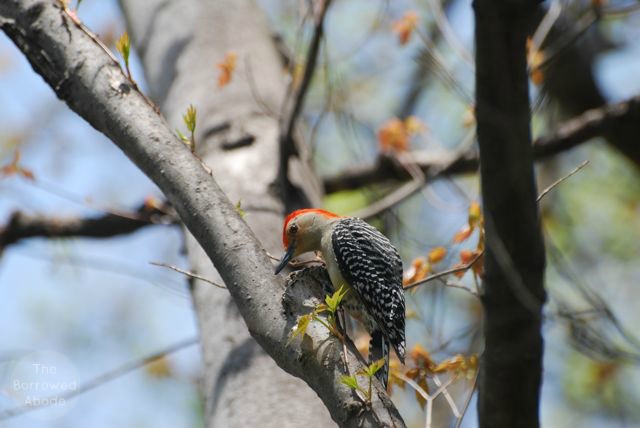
293	107
593	123
21	226
96	88
188	274
570	77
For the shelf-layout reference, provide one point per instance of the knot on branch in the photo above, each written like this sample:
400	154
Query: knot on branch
306	289
310	330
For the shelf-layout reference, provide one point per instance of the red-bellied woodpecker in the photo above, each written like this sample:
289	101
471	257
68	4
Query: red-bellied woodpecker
362	259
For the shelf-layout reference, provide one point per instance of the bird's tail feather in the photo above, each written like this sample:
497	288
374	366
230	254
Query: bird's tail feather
379	348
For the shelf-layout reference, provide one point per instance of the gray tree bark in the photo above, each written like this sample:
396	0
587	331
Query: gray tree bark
180	43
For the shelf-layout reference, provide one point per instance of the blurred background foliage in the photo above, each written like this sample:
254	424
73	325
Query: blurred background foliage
101	304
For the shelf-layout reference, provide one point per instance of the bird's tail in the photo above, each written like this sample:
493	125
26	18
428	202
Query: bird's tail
379	348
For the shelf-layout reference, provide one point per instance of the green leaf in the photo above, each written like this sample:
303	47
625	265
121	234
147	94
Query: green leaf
334	300
350	381
183	137
189	119
239	209
123	45
374	367
300	329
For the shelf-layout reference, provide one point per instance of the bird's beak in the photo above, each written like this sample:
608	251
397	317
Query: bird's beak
286	257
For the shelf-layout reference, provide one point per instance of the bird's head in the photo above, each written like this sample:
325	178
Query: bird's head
302	232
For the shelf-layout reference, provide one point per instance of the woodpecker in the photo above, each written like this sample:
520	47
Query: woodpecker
362	259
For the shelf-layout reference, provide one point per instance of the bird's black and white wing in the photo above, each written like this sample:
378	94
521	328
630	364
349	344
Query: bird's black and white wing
372	266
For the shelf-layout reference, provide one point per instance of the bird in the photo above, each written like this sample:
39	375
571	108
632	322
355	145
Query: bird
363	260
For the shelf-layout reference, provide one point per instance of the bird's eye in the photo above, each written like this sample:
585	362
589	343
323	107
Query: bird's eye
293	229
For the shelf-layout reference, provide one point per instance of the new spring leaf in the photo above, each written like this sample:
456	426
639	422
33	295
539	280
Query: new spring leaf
123	45
334	300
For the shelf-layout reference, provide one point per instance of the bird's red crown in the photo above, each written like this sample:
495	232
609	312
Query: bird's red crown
296	213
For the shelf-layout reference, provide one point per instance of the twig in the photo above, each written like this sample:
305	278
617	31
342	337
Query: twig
447	396
427	397
99	380
21	226
457	269
443	387
99	42
545	26
400	194
447	32
583	24
189	274
291	115
89	202
419	179
342	326
590	124
446	75
392	199
413	384
467	401
255	93
429	414
561	179
72	16
477	256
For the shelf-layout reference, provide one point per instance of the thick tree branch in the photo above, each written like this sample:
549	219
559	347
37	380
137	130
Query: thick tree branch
21	226
598	122
570	78
511	365
84	76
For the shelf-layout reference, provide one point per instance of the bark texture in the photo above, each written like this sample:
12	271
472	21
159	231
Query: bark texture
511	366
180	44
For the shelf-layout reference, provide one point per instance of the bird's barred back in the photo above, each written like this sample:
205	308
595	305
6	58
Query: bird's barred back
372	266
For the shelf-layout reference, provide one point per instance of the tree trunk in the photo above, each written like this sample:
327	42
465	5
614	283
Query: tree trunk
180	43
511	366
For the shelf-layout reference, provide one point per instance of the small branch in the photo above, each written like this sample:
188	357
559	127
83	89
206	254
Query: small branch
73	17
583	24
451	271
21	226
448	397
468	265
100	380
392	199
187	273
442	389
467	401
407	190
413	384
561	179
590	124
292	113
